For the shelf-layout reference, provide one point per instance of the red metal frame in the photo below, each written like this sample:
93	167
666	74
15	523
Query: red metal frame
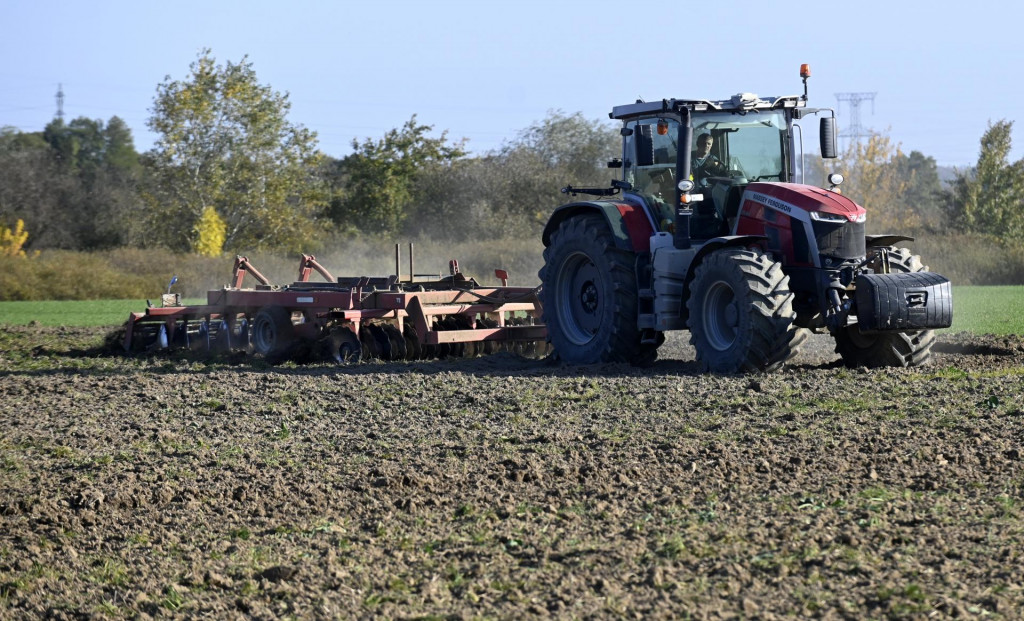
356	304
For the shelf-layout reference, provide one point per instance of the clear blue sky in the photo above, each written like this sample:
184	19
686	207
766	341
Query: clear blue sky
485	70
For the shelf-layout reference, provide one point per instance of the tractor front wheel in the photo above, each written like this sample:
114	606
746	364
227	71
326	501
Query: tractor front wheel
590	296
741	313
887	349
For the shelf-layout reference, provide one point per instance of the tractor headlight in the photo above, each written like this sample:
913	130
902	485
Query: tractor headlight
828	217
836	179
685	185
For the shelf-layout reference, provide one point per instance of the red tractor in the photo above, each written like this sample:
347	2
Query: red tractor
710	229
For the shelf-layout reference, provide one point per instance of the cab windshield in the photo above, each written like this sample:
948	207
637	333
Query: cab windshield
750	145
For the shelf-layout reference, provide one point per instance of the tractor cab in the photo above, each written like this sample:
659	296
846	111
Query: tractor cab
726	145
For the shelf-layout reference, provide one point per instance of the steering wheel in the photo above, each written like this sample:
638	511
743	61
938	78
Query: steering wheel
706	181
737	176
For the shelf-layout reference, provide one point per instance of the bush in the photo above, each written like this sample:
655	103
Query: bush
60	275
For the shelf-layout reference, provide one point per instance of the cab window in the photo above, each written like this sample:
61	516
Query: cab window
650	164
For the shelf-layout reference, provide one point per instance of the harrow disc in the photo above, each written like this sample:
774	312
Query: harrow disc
396	342
342	345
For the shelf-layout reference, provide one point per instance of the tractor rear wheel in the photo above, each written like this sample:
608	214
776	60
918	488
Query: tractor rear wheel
590	296
887	349
741	313
272	331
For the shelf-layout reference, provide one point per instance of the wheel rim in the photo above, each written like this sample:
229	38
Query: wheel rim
858	340
578	294
721	316
265	336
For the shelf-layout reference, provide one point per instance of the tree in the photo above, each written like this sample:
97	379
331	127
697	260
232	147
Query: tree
100	174
34	188
511	192
922	194
380	176
119	149
875	180
989	198
211	230
225	143
12	241
570	142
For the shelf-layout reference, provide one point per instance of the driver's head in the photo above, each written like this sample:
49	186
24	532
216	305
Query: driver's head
704	142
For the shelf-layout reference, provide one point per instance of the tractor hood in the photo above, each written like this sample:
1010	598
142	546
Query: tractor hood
801	201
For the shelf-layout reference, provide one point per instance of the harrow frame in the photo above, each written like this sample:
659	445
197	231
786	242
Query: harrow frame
413	307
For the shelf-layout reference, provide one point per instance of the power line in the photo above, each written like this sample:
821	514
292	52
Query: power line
60	102
855	131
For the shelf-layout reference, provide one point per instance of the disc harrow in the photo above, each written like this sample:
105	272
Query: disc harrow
347	319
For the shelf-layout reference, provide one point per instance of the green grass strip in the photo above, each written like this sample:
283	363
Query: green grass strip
988	310
74	312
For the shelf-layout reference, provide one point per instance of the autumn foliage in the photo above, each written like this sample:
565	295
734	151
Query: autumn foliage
12	241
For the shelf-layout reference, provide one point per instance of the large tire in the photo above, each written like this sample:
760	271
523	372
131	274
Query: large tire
272	331
887	349
741	313
590	296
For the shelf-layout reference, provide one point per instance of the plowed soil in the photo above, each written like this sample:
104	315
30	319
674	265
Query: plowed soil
502	487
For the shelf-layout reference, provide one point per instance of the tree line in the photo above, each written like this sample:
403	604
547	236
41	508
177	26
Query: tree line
230	173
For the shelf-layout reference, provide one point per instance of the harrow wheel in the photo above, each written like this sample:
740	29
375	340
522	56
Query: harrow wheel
272	331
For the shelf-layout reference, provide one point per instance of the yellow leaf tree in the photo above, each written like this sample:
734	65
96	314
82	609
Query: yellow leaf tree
211	232
12	241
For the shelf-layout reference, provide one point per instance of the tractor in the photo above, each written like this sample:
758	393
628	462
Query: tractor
710	228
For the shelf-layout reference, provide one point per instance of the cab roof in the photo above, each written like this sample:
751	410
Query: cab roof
738	102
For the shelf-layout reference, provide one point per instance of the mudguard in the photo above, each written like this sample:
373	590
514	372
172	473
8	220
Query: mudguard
630	225
724	242
877	241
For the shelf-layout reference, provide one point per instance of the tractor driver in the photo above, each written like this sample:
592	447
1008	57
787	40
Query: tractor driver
703	163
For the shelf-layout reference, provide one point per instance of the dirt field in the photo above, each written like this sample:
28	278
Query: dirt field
508	488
